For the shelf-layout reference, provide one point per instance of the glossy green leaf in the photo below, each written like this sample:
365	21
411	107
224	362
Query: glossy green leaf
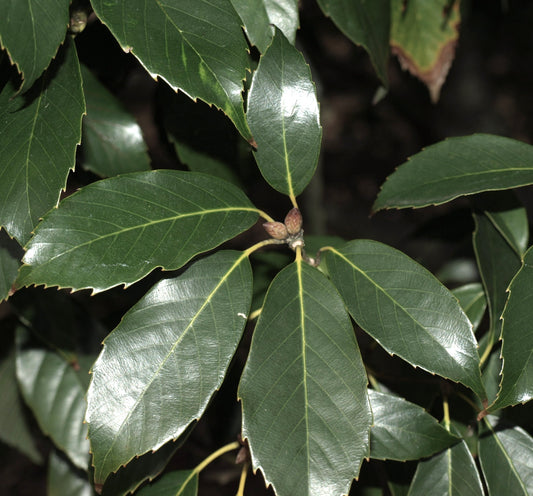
304	399
53	392
10	255
260	17
506	456
365	23
284	118
112	140
14	429
423	36
404	431
456	167
140	469
172	484
491	375
473	301
39	132
450	473
64	479
31	31
497	264
194	45
517	348
166	358
117	230
406	309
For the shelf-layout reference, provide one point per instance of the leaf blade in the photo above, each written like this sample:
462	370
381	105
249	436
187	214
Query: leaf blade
184	362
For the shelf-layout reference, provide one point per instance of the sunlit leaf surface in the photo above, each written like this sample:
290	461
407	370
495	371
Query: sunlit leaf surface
473	301
64	479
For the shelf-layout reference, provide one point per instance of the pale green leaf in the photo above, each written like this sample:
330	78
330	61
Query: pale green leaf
117	230
304	399
39	132
284	118
260	17
366	23
14	429
506	456
406	309
31	31
423	36
53	392
161	365
450	473
172	484
473	301
517	348
404	431
64	479
456	167
195	45
112	142
10	255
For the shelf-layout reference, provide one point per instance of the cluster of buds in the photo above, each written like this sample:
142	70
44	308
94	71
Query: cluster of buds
289	231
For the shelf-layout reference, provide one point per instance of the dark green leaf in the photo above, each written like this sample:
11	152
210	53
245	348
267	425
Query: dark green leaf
260	17
365	23
171	484
406	309
117	230
31	31
506	455
64	479
404	431
450	473
456	167
473	301
14	430
194	45
140	469
423	36
169	354
39	132
303	391
10	255
517	381
52	390
112	140
284	118
491	375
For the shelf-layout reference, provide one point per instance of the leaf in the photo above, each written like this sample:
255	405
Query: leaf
117	230
456	167
31	32
473	302
517	348
303	390
450	473
497	263
406	309
171	484
140	469
112	140
260	17
10	255
161	365
506	455
39	132
365	23
404	431
424	36
64	479
14	429
52	390
284	118
194	45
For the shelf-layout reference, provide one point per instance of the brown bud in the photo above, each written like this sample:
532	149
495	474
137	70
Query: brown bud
293	221
277	230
